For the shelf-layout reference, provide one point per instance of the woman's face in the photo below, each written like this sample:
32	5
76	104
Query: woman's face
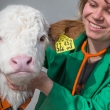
96	17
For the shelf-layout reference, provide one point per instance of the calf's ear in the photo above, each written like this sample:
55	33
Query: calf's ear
71	28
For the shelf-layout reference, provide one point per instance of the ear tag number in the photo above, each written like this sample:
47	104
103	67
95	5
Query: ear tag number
64	44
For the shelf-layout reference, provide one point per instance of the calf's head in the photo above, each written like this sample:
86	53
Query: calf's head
23	39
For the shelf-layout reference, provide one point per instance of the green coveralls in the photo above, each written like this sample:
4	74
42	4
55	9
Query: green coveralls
63	68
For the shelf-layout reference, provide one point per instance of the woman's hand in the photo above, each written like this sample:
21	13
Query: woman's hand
41	82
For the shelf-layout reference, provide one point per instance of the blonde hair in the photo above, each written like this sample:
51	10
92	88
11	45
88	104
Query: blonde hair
81	5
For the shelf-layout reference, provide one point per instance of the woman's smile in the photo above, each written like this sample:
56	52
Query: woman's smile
94	27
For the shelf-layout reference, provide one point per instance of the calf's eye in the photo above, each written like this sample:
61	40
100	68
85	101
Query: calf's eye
42	38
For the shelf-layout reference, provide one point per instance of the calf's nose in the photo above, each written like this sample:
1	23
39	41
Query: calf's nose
21	62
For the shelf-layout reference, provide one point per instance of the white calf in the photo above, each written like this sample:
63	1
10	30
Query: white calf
23	39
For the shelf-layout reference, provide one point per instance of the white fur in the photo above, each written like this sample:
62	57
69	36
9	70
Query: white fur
21	28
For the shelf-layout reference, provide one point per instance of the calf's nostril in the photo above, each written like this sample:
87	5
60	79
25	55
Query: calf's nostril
29	61
15	62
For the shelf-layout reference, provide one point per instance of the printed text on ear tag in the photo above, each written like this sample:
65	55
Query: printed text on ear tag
64	44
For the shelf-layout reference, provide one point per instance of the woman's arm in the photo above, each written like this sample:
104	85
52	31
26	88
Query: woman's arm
60	98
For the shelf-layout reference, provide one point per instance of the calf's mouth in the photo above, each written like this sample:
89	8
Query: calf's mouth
21	78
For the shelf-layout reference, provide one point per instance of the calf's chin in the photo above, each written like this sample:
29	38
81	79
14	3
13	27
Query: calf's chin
15	98
21	79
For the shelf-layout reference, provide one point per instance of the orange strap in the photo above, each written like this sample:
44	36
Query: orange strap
25	104
86	57
4	105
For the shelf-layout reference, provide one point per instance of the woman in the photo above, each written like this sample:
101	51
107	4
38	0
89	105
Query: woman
79	79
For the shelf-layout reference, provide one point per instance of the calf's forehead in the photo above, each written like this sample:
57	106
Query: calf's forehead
21	20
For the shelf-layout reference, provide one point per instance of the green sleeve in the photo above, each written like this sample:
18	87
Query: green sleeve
61	99
49	56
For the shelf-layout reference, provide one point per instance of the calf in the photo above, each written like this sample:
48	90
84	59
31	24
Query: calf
23	40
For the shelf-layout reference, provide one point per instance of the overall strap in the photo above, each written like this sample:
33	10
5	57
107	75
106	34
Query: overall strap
4	105
22	107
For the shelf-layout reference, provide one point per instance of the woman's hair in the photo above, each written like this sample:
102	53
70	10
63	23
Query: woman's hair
81	5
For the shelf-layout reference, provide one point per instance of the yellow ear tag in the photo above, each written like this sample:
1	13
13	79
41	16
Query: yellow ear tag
64	44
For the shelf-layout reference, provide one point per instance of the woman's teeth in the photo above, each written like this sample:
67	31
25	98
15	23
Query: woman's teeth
95	26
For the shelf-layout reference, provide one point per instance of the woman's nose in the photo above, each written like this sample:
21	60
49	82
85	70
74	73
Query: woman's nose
98	14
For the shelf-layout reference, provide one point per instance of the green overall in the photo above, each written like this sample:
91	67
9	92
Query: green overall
63	69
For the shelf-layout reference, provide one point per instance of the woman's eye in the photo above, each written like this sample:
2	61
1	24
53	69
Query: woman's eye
92	5
108	11
42	38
